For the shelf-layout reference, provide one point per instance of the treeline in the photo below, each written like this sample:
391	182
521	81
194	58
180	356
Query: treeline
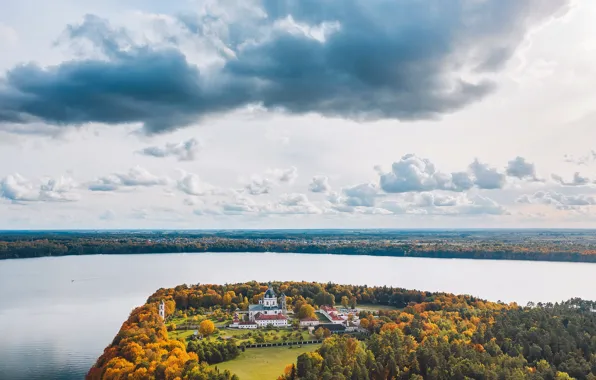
552	341
233	296
36	245
142	350
213	352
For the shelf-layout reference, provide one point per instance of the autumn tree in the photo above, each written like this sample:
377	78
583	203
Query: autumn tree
345	301
319	333
206	327
364	323
306	311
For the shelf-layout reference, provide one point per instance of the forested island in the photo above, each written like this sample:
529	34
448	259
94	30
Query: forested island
186	333
537	245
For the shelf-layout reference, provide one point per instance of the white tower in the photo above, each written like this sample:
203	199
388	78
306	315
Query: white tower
162	310
282	304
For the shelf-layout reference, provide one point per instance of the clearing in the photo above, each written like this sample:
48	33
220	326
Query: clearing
264	363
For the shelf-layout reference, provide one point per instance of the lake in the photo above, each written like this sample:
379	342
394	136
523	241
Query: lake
57	314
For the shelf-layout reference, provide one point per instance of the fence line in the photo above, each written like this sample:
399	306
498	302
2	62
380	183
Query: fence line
261	345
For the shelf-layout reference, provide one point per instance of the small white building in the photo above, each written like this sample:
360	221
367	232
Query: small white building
247	325
306	322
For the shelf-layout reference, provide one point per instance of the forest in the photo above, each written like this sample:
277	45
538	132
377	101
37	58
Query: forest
426	336
537	245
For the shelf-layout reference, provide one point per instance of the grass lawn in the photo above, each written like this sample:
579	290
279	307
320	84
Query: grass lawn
322	318
180	334
264	363
372	307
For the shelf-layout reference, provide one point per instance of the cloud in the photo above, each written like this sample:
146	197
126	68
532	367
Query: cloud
135	177
560	201
440	204
287	204
283	175
582	160
427	203
480	205
260	185
362	60
415	174
522	169
364	194
434	200
319	184
19	189
412	173
487	177
183	151
578	180
192	184
358	199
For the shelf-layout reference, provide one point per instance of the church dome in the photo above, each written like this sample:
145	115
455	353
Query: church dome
270	293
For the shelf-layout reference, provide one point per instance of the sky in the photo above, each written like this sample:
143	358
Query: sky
297	114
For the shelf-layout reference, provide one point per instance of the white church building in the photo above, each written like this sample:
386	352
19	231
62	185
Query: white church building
268	311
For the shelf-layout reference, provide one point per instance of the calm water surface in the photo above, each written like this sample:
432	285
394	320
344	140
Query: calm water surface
52	327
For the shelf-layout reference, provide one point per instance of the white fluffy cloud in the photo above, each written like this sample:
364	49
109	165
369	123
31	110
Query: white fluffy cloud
560	201
319	184
192	184
288	175
260	185
415	174
441	204
522	169
287	204
135	177
183	151
20	189
412	173
364	195
486	177
577	180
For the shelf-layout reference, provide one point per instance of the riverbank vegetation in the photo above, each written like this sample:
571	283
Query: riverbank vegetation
537	245
417	335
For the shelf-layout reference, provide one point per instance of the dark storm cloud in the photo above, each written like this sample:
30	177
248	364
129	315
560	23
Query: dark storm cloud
370	59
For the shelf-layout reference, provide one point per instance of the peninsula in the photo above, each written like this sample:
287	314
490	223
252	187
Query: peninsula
306	330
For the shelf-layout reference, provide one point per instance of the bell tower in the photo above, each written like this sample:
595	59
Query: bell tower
162	310
282	304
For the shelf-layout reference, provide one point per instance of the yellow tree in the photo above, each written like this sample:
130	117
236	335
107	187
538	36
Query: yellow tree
345	301
206	327
306	311
364	323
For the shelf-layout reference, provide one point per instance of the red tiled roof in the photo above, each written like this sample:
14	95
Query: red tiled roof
328	308
265	317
